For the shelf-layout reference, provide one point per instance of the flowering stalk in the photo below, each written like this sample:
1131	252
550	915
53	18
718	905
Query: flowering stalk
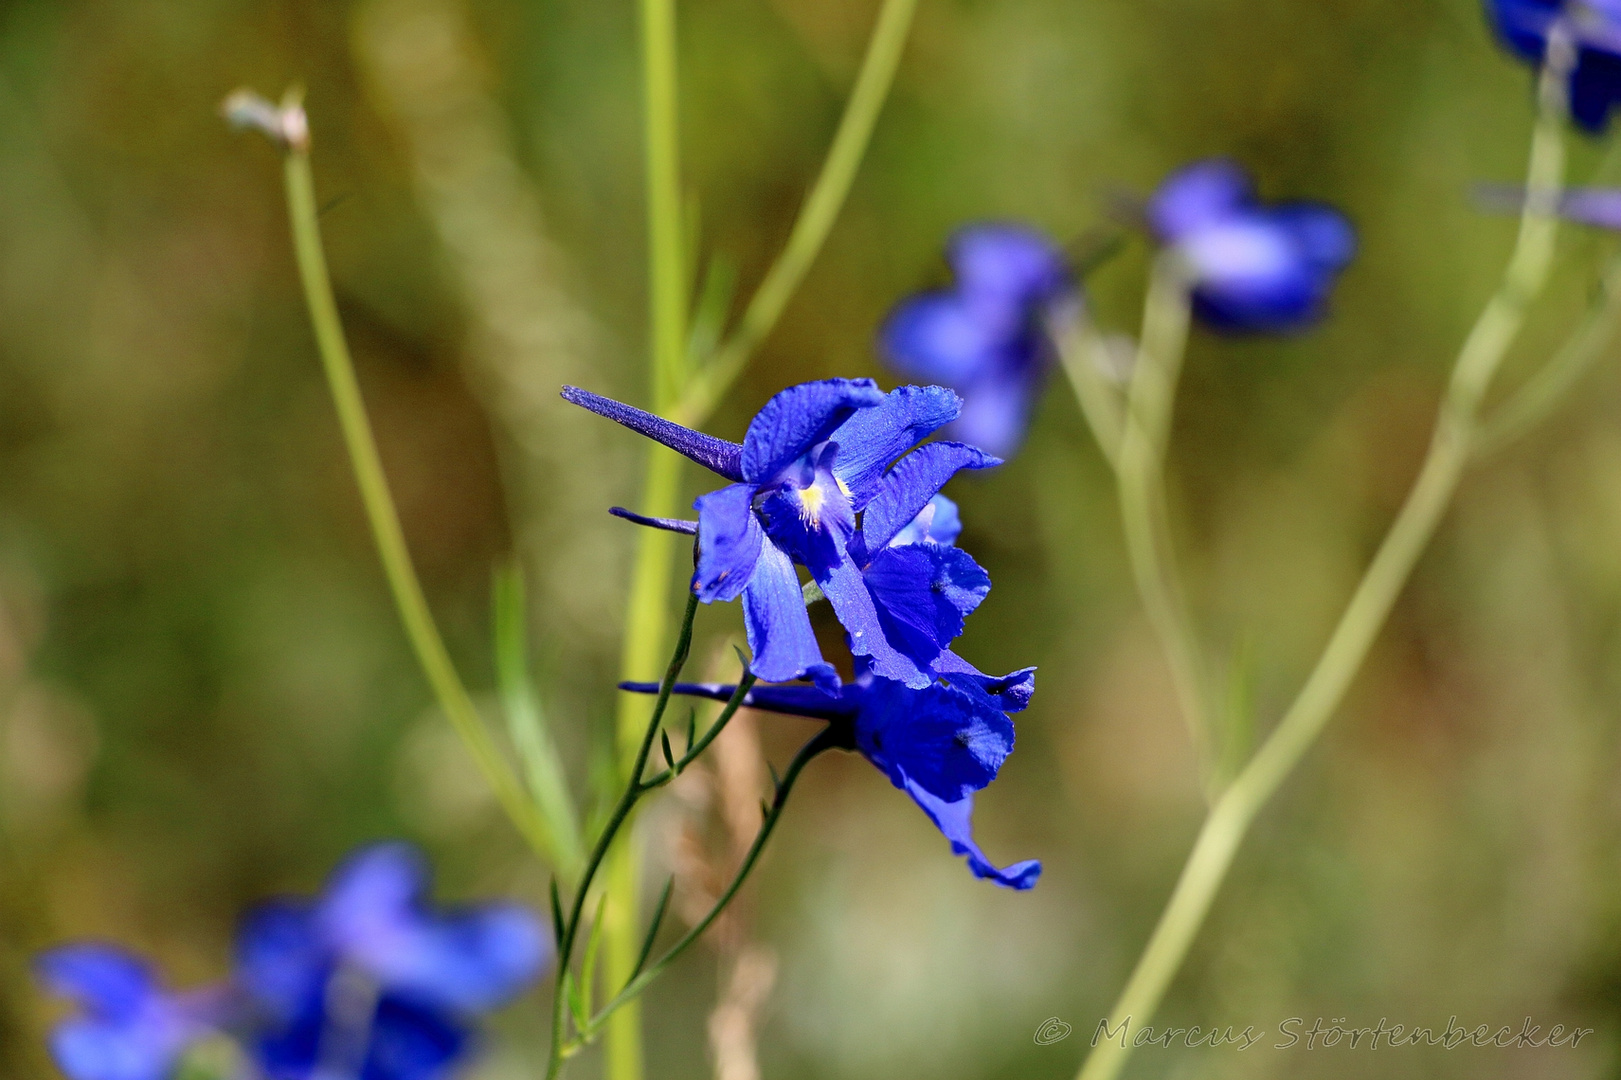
288	127
1140	467
692	399
588	1023
1451	448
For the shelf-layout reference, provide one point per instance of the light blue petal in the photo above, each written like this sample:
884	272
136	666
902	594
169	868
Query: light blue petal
937	337
1198	196
912	483
873	438
106	980
1007	261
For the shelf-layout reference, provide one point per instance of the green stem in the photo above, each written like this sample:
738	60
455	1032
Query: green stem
826	740
1079	345
1141	468
1449	453
380	510
1542	393
815	218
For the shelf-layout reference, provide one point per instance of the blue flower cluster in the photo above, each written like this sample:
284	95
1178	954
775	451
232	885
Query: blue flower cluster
365	982
830	476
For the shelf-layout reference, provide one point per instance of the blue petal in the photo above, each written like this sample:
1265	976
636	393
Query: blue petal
955	820
714	454
469	961
1324	237
873	438
846	590
948	742
281	959
938	522
1007	261
1198	196
410	1041
1011	693
778	627
940	338
88	1050
996	410
808	514
914	481
923	592
729	539
809	701
106	980
798	418
1595	87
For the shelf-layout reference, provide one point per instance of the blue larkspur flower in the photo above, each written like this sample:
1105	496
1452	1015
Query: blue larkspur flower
1253	267
1594	29
368	982
984	337
129	1026
939	743
817	456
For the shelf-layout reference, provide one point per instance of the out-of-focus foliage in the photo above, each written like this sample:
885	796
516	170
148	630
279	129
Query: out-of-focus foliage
205	696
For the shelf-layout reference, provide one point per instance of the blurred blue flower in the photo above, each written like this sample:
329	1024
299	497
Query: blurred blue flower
983	337
129	1026
1253	267
939	744
815	457
1594	27
367	982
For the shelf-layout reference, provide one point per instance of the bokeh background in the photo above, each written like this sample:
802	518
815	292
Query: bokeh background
205	697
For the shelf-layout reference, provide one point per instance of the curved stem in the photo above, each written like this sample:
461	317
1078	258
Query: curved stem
384	518
815	218
1449	453
1141	468
1078	344
826	740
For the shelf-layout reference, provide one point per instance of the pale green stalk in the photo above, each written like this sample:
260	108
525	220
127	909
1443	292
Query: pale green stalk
1079	346
380	510
1141	471
815	218
1449	453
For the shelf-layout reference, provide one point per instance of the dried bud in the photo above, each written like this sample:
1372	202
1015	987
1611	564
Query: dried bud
284	124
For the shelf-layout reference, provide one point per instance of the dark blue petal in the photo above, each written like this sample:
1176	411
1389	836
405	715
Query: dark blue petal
1321	233
1595	87
1524	24
778	627
955	820
714	454
846	590
948	742
675	525
808	514
938	522
282	959
106	980
1011	693
914	481
923	592
795	420
1006	261
873	438
1198	196
938	337
411	1041
729	539
808	701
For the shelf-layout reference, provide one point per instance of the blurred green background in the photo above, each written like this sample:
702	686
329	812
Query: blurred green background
205	696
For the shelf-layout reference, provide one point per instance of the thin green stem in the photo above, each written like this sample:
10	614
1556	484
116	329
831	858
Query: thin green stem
1370	605
611	830
826	740
1079	348
744	685
815	218
385	522
1141	468
1544	391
